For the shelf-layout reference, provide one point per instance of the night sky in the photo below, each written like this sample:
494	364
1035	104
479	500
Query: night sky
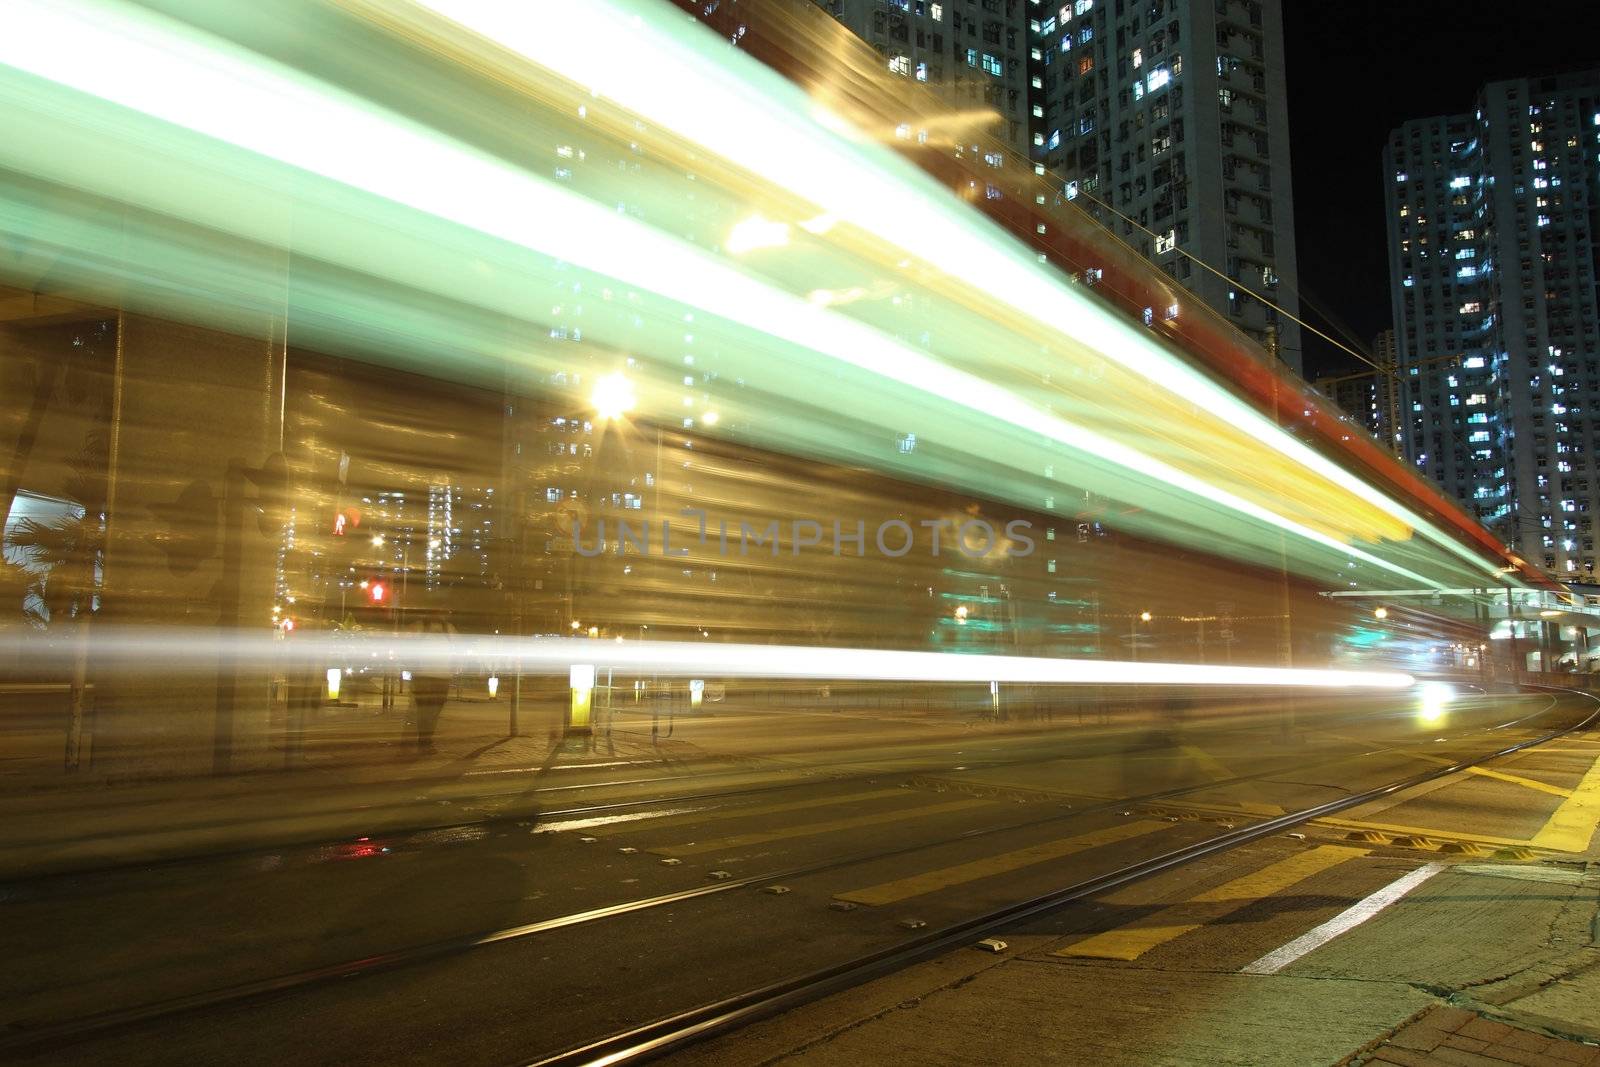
1359	68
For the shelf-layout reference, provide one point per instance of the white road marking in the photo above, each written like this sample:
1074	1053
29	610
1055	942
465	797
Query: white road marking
1349	919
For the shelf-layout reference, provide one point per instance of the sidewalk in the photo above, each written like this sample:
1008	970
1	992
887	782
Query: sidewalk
1453	1036
1028	1006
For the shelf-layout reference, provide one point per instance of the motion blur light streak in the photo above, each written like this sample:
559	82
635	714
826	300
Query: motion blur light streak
832	173
579	659
248	106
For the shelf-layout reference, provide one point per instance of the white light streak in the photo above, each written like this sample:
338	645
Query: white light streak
182	649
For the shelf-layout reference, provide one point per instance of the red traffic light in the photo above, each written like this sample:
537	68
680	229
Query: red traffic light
376	591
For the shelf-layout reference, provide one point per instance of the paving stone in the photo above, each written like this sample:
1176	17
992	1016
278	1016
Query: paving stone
1526	1040
1403	1056
1456	1057
1422	1036
1465	1044
1451	1019
1522	1056
1484	1030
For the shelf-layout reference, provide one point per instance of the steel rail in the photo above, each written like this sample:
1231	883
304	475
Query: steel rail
697	1024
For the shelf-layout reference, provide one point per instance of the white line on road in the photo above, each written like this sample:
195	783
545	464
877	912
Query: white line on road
1349	919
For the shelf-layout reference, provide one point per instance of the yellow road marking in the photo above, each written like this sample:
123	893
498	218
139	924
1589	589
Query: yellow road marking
961	873
1572	825
695	848
1275	877
1526	783
1132	941
764	809
1212	765
1128	943
1419	831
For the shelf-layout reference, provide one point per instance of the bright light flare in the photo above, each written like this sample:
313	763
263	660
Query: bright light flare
1433	699
613	396
820	225
756	232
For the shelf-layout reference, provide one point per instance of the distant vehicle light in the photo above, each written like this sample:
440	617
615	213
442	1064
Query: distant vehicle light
1434	698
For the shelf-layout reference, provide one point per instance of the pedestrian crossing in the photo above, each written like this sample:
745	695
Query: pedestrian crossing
962	873
1129	942
920	853
903	812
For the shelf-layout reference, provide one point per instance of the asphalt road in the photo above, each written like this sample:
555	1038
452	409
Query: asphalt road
542	906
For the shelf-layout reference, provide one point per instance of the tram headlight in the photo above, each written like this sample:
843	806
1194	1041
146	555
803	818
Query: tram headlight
1433	698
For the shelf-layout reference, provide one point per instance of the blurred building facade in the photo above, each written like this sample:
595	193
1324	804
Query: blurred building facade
1492	277
974	53
1167	120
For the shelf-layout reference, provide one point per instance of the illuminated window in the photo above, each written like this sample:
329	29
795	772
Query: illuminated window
1138	58
900	64
1086	64
1165	242
936	12
992	65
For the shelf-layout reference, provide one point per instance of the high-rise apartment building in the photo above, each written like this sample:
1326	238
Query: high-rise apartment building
1368	397
972	52
1167	120
1492	266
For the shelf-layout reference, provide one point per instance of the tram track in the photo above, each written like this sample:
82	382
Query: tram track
664	1035
672	1031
